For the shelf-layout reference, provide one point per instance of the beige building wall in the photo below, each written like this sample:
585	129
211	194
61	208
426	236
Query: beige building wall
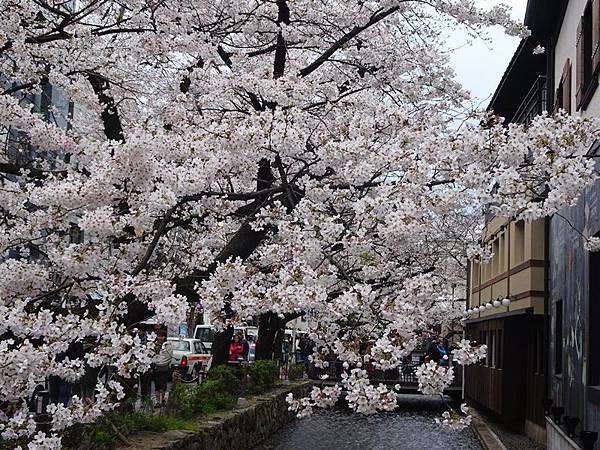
516	271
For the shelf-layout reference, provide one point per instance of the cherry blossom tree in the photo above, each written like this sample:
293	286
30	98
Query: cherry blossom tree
270	158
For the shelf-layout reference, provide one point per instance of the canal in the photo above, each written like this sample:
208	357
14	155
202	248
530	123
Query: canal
411	427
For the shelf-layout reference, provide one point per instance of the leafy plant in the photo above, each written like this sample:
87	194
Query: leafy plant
261	376
296	371
210	396
103	434
225	374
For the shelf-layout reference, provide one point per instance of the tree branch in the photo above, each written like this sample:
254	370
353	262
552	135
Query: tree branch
377	17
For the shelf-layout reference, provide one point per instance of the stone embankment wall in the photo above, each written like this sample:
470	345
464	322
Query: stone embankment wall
238	429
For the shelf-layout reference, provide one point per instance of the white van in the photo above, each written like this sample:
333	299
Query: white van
206	334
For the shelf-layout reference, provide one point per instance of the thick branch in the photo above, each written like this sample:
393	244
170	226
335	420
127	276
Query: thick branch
377	17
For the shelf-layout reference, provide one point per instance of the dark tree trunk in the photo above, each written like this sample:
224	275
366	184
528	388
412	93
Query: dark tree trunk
278	343
268	326
220	346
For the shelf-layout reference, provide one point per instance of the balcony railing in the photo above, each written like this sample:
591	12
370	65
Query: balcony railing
534	103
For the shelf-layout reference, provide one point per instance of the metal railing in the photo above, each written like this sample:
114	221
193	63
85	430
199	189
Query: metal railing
403	375
534	103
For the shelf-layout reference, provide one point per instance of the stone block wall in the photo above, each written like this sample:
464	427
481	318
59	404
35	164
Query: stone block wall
238	429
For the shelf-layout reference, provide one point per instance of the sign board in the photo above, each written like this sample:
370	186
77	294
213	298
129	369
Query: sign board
183	329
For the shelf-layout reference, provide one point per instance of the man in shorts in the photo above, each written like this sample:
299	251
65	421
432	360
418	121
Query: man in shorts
162	367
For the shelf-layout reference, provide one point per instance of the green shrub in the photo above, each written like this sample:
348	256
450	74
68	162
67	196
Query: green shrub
227	375
101	435
187	401
296	371
218	392
181	401
212	396
261	376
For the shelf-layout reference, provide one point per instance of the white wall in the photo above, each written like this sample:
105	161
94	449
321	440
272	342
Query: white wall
566	48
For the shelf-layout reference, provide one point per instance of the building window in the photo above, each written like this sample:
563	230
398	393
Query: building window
586	49
562	98
558	337
483	339
593	343
519	242
491	353
502	251
499	349
538	352
496	258
75	234
476	274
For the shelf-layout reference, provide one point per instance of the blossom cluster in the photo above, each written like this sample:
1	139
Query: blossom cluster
466	353
434	379
454	420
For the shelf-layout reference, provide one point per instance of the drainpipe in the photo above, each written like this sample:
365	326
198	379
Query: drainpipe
550	67
546	332
479	292
508	262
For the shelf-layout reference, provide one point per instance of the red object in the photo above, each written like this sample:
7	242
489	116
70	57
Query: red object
235	349
184	360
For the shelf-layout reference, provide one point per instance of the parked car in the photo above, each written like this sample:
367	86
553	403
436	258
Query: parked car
206	334
191	358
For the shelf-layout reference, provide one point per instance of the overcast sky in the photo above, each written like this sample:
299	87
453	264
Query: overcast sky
480	66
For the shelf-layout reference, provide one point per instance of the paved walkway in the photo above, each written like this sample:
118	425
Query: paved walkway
495	436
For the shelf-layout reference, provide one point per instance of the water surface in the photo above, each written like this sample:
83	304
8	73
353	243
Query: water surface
411	427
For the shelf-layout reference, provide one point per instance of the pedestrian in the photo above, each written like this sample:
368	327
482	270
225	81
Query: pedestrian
246	345
161	367
145	378
236	348
305	350
442	350
61	389
286	347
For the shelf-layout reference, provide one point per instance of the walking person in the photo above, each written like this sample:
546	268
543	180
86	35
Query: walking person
162	367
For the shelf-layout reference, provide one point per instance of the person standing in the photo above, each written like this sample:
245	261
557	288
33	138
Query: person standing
162	367
443	353
236	348
61	389
145	378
